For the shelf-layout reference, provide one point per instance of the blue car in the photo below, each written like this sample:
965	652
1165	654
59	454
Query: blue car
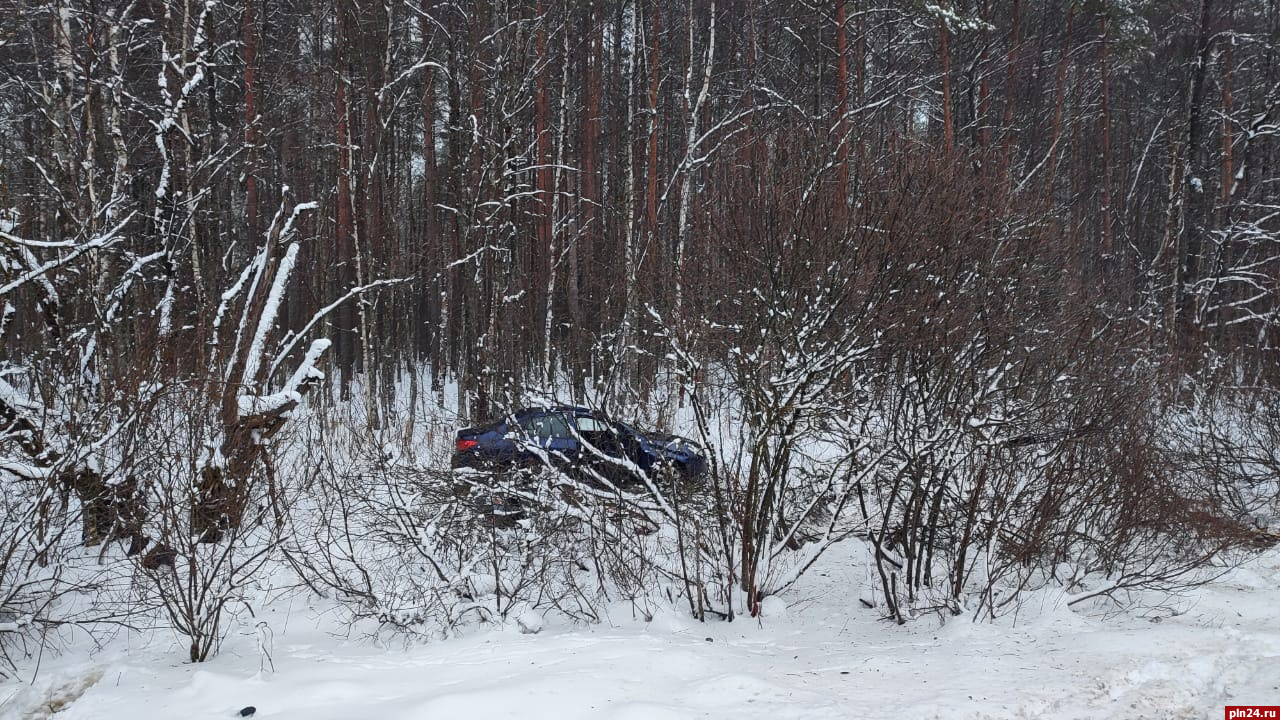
579	441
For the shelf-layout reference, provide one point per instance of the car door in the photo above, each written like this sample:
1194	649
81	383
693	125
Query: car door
604	448
548	439
633	445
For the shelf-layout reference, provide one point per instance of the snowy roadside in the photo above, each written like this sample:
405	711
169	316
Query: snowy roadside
824	657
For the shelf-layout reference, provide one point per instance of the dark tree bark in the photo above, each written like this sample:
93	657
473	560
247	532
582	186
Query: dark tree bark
541	257
1105	73
344	229
842	97
944	51
250	42
435	254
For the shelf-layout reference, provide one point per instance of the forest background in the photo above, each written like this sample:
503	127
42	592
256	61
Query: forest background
1013	265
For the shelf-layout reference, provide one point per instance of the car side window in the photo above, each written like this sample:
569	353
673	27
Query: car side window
559	427
546	427
590	425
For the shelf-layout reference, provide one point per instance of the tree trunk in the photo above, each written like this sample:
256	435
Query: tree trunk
542	257
249	35
435	251
1193	199
1059	103
1011	64
650	256
344	229
1105	72
948	132
1227	191
842	101
693	111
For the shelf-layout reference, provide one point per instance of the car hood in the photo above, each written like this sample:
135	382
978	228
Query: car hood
674	443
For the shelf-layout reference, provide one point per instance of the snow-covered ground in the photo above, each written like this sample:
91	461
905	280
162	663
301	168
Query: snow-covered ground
821	656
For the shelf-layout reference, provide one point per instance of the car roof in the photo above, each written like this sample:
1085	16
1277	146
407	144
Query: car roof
539	409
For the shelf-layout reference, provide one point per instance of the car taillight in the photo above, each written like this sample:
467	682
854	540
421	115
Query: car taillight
465	445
